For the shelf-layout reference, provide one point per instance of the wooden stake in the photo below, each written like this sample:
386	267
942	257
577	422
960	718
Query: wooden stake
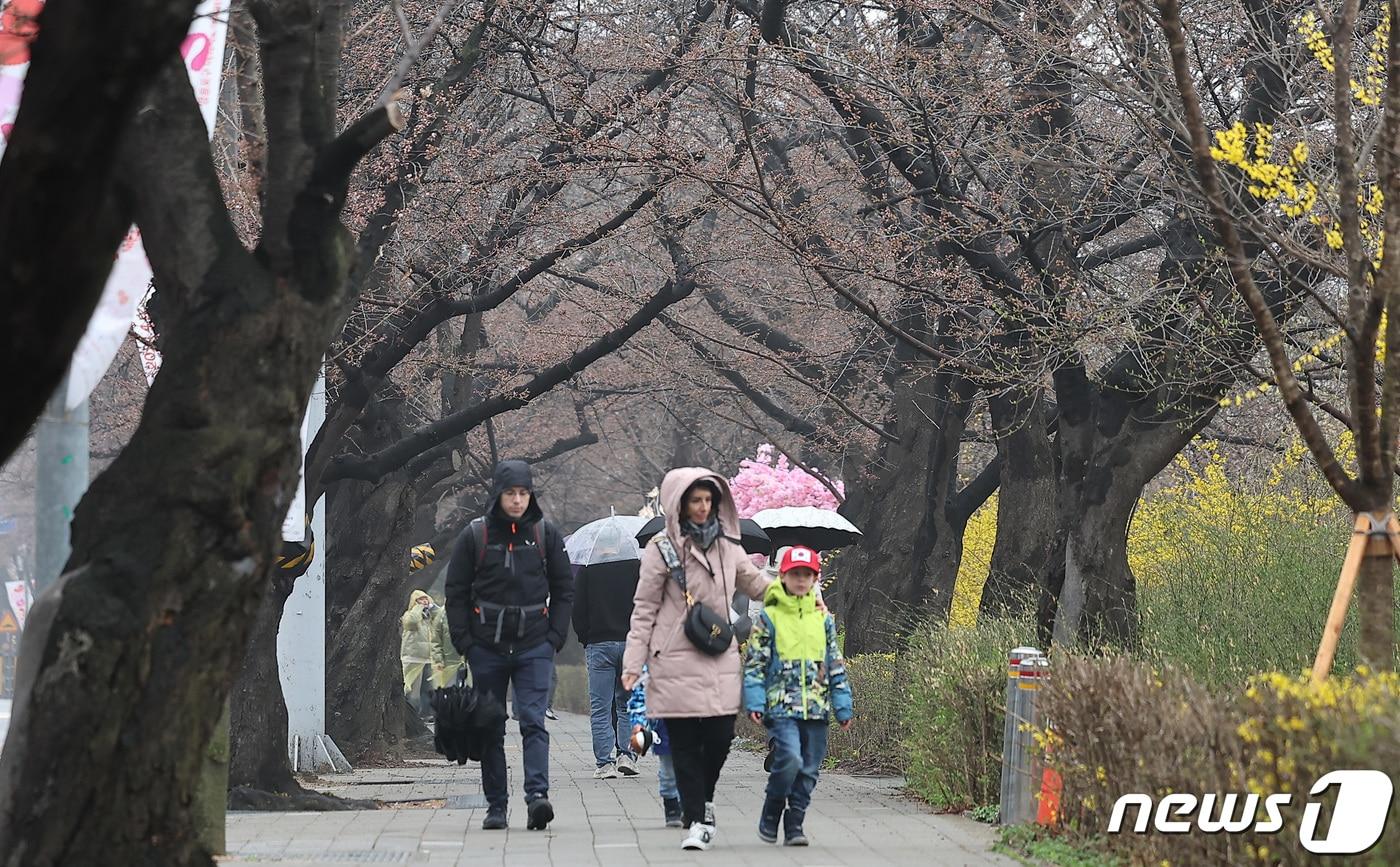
1341	599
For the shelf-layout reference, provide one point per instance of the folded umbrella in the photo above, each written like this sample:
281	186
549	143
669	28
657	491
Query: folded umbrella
463	720
751	535
819	529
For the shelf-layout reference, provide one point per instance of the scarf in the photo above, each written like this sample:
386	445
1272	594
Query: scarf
704	534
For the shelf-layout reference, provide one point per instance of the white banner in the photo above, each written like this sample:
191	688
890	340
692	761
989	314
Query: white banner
18	595
130	280
294	523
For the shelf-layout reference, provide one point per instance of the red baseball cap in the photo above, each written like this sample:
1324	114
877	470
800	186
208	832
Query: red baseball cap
800	556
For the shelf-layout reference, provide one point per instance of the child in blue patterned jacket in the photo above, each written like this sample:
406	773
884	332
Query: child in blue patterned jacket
655	731
794	683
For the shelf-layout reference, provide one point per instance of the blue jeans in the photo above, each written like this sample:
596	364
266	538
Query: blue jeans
529	671
607	701
799	747
666	778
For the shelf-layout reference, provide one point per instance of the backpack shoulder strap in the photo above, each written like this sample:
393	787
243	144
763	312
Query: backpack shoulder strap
539	542
478	530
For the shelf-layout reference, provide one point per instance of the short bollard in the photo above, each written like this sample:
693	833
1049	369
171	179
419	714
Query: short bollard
1027	668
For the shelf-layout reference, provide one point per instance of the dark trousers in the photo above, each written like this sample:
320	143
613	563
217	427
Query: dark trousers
699	747
529	671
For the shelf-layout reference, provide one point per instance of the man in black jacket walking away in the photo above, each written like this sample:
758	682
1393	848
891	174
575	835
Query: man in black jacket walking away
602	616
509	595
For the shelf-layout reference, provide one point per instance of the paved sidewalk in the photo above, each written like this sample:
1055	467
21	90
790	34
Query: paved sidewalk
853	820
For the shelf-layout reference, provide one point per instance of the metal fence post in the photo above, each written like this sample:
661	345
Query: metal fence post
1026	669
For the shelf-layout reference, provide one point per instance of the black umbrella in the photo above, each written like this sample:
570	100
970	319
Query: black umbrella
751	536
820	529
464	719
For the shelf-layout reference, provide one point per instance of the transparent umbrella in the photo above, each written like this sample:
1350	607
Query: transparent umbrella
606	540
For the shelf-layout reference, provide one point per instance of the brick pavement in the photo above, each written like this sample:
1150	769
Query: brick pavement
853	821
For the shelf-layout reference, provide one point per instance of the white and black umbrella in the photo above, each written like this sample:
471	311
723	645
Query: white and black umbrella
606	540
820	529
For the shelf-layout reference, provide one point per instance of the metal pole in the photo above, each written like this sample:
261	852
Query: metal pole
1008	731
61	439
1025	667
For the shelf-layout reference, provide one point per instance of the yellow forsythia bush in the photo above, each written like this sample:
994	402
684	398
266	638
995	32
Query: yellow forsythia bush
1121	727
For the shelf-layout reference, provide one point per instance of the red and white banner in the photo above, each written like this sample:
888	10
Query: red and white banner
130	280
18	596
203	51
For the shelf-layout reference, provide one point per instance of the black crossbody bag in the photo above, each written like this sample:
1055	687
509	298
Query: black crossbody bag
706	630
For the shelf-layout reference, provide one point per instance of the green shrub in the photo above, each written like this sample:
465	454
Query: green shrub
872	745
1037	845
1225	612
955	701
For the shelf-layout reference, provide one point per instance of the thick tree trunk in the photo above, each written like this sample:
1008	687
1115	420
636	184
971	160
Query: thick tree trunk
1110	448
903	571
129	657
1098	603
1029	543
167	572
260	773
258	710
373	530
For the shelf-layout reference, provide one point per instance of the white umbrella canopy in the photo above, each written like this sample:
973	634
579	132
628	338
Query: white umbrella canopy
606	540
821	529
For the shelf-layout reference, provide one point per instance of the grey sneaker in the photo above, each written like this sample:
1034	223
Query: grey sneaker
607	772
626	765
710	814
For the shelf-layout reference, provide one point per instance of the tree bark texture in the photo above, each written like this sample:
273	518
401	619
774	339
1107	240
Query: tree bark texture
903	571
370	585
1029	541
258	710
1375	601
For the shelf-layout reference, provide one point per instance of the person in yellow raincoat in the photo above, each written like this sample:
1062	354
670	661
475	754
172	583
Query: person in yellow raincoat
416	647
446	659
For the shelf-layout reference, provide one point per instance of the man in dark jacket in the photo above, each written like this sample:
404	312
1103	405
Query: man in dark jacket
509	594
602	617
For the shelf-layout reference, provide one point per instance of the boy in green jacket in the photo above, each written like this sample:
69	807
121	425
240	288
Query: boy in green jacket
794	683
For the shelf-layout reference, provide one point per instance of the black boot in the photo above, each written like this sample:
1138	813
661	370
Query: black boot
675	816
495	819
540	813
792	828
768	819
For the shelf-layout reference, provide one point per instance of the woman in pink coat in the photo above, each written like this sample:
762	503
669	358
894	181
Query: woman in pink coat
698	695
